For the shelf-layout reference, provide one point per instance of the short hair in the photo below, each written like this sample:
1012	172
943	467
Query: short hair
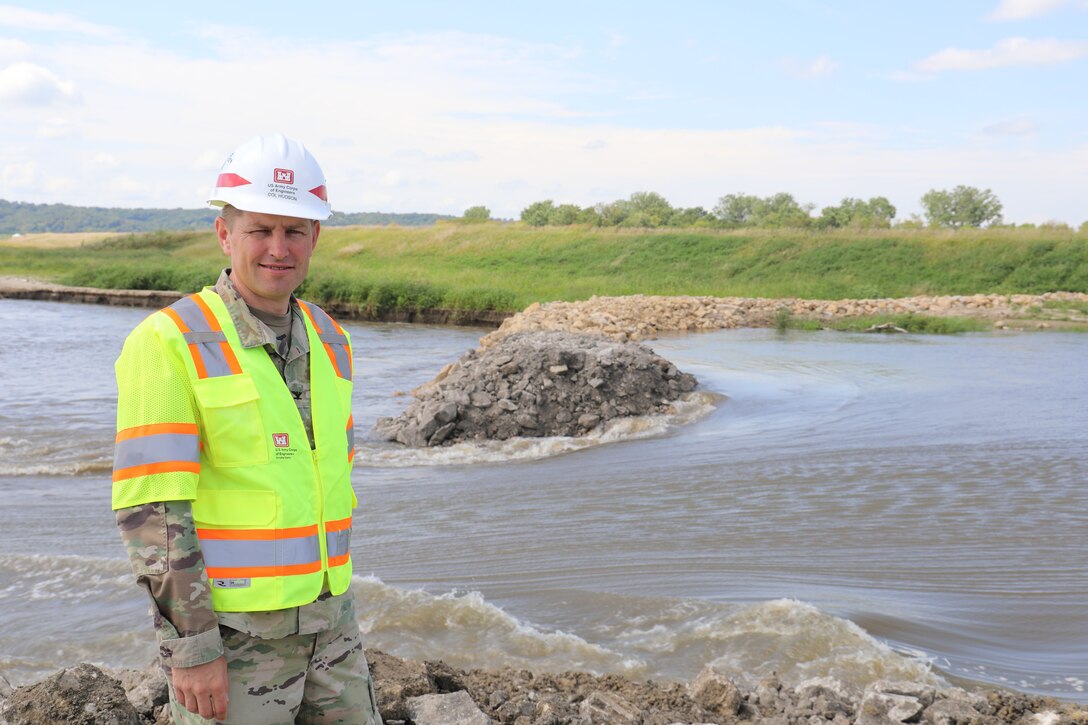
229	213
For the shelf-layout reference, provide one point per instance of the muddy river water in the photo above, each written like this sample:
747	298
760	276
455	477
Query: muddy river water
831	504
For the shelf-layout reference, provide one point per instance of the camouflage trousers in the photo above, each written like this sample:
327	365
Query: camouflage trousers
312	678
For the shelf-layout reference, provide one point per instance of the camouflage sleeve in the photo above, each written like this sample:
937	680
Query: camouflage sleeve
165	554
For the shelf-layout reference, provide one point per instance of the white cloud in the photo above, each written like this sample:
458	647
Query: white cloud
1012	127
486	120
105	161
818	67
1008	52
23	19
1022	9
12	50
55	128
207	161
31	85
19	175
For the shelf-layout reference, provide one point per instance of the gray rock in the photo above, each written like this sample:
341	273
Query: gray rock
608	707
441	434
589	420
147	690
446	413
879	707
480	400
922	692
716	692
952	712
455	708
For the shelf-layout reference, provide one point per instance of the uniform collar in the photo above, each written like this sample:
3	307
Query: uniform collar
251	331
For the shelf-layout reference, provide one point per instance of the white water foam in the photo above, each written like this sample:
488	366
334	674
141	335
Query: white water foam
671	640
796	641
690	408
467	631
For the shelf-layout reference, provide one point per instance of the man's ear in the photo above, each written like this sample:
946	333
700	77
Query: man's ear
222	233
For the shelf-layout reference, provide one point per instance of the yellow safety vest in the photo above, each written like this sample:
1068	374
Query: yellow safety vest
272	516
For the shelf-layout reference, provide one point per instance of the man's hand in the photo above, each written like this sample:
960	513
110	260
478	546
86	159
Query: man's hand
203	689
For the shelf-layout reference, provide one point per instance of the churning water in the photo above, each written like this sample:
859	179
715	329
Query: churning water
829	504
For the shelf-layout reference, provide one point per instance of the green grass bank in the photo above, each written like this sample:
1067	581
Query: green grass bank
505	267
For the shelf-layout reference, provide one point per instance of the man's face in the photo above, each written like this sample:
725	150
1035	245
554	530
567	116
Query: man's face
269	256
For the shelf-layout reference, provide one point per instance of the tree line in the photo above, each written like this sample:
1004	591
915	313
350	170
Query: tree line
963	206
24	218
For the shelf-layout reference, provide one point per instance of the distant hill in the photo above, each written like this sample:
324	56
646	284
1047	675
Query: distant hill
24	218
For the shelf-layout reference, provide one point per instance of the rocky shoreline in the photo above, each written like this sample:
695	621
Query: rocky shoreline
644	317
412	692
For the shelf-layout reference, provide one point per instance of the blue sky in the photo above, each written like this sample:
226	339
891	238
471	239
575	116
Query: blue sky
435	107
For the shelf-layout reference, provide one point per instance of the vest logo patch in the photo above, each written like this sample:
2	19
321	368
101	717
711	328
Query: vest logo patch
230	583
281	440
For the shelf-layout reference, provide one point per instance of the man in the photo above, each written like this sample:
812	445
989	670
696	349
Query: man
232	468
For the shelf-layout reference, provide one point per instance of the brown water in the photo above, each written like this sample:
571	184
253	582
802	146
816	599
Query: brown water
833	504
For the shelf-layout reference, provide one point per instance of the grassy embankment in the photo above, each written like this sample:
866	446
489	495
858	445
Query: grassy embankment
508	266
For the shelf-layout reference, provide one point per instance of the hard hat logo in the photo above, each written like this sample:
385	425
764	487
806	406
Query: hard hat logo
288	167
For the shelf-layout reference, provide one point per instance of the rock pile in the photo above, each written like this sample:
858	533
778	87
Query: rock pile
86	695
410	692
643	317
537	384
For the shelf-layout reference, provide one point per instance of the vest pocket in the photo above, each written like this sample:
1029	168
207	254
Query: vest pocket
233	428
236	509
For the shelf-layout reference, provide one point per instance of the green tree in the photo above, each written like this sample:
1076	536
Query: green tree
614	214
782	210
650	209
590	216
538	213
564	214
877	212
690	217
745	210
476	214
964	206
737	210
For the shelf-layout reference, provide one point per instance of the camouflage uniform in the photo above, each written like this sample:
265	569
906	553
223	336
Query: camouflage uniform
306	661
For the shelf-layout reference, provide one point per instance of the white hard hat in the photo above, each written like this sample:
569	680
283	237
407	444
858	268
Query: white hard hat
272	175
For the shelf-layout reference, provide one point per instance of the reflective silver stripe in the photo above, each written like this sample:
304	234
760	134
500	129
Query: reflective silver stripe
215	360
200	336
332	337
340	352
156	448
337	342
338	543
228	553
208	343
351	437
191	314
